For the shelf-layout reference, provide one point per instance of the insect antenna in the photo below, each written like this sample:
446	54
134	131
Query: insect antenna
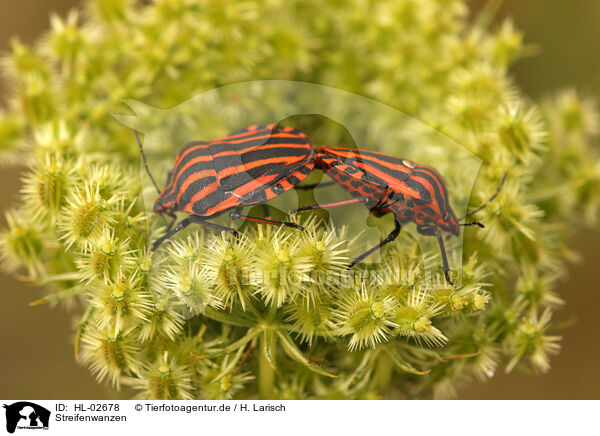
484	204
474	223
137	137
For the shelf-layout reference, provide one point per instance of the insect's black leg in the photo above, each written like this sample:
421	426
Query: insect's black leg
186	222
199	220
179	227
326	205
313	186
237	216
174	218
389	238
440	239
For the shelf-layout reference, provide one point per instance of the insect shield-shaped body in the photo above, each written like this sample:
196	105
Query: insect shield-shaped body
248	167
386	184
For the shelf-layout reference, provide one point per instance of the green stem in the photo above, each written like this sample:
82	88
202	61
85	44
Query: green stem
266	377
383	372
272	312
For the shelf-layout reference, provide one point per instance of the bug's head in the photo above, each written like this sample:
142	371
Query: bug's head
165	202
449	223
429	215
159	207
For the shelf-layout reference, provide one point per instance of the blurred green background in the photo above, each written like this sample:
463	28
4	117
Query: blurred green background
37	355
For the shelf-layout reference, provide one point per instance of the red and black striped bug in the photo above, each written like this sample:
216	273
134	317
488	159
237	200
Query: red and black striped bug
386	184
247	167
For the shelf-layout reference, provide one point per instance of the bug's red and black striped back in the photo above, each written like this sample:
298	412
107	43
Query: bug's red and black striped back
411	191
354	180
249	166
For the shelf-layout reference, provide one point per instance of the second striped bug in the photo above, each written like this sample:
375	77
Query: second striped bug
386	184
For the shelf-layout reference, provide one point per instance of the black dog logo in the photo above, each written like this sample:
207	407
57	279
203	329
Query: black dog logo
26	415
